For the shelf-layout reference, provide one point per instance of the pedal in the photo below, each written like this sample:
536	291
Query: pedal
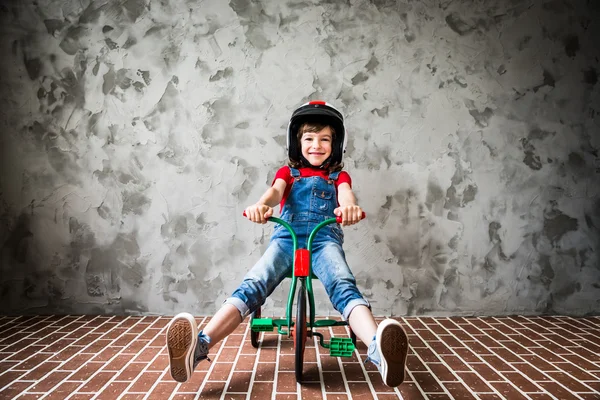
262	325
341	347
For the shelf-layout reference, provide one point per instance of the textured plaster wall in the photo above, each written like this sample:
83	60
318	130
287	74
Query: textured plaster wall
134	133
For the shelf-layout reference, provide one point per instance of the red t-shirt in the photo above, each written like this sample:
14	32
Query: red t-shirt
285	174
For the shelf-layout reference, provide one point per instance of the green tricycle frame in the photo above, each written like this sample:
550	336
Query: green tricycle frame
302	327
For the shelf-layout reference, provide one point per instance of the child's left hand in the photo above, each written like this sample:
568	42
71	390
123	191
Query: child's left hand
350	214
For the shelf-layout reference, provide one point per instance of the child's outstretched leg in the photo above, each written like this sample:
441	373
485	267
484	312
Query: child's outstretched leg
187	347
388	344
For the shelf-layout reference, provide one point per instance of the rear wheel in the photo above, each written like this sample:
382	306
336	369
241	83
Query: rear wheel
254	335
300	332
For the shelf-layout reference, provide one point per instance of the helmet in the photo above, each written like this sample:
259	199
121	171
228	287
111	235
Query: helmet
323	112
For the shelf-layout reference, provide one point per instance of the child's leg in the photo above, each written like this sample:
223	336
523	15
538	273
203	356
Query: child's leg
363	324
388	343
329	265
222	324
187	347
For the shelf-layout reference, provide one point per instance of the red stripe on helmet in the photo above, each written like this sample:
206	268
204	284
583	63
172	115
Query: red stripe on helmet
317	102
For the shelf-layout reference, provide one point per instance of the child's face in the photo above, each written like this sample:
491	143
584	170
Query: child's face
316	146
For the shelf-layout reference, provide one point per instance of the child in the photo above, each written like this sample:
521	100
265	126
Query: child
312	189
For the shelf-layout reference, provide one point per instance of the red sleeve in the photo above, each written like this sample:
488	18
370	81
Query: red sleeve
343	177
283	173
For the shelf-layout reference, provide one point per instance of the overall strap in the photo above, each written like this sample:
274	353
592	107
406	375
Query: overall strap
295	173
334	175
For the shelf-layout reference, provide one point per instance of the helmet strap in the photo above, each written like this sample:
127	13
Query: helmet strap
308	164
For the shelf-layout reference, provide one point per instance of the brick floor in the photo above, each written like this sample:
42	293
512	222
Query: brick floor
99	357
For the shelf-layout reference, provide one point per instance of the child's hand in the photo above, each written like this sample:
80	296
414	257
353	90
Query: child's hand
350	214
259	213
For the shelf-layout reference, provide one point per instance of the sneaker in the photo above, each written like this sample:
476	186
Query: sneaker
186	348
388	352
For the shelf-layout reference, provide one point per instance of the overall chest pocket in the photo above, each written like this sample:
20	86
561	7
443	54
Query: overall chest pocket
323	199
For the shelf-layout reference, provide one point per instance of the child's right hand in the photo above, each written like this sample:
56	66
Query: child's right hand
259	213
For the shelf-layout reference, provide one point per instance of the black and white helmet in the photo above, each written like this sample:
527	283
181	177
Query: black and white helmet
320	111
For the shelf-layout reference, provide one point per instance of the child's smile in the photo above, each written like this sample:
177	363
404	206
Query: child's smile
316	146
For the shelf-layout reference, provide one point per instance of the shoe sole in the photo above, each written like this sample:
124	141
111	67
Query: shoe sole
394	349
182	335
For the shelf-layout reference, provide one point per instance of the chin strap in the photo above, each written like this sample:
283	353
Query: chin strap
306	163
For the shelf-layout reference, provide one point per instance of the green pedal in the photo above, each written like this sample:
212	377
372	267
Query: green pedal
341	347
262	325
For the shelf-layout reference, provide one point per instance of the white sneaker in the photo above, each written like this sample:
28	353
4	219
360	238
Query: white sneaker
388	352
182	337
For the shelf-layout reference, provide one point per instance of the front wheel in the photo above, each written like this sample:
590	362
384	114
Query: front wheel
254	335
300	331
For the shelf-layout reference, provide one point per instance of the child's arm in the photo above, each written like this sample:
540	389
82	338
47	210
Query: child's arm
350	212
263	209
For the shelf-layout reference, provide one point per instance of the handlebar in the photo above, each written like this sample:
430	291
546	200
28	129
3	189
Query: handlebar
337	219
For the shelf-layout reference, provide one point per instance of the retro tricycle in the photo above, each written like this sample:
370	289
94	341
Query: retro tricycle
305	324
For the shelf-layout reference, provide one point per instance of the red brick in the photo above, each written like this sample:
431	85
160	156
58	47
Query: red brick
265	372
130	372
455	363
427	355
23	353
311	391
85	372
144	382
459	391
263	390
220	372
240	381
531	372
580	362
569	382
333	382
162	361
539	363
354	372
193	384
245	363
558	391
13	389
508	391
427	382
113	390
163	390
286	382
522	382
362	391
97	382
49	382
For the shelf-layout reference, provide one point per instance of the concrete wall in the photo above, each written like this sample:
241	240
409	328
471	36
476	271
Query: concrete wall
135	132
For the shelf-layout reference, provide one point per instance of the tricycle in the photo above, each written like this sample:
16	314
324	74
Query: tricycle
305	324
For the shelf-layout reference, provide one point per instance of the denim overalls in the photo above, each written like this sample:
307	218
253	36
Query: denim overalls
310	201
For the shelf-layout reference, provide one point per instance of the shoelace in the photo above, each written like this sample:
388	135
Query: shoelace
372	351
369	359
201	351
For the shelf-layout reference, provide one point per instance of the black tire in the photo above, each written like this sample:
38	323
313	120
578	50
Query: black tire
254	335
300	331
